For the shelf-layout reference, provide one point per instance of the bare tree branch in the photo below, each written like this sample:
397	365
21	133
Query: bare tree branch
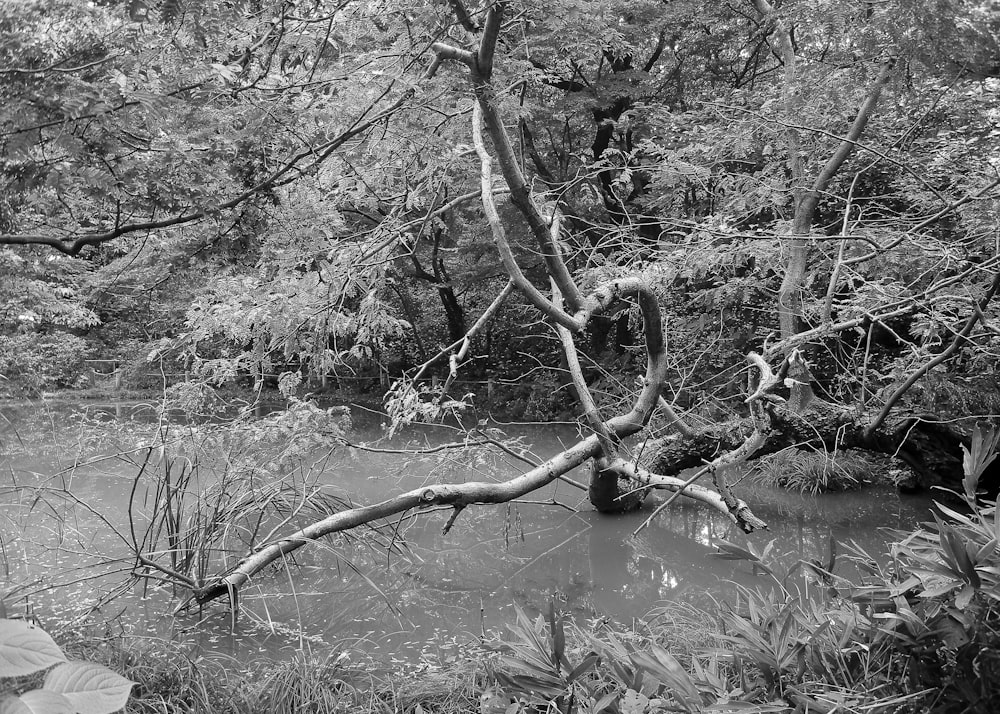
481	69
956	343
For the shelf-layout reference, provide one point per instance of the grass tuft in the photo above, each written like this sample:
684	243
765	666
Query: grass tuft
815	471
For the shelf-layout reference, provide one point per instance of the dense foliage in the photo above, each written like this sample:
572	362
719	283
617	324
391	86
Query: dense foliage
298	195
249	188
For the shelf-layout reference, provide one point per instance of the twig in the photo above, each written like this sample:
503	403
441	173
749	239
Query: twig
957	342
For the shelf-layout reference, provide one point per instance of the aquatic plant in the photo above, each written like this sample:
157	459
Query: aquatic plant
814	471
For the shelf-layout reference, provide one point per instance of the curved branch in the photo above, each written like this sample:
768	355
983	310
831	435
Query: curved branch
481	69
533	294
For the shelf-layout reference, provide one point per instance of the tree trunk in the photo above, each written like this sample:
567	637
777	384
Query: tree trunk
932	449
610	493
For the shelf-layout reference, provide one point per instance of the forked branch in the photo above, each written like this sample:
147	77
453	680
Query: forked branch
581	310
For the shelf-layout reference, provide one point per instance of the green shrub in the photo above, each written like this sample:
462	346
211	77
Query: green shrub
555	665
32	362
920	634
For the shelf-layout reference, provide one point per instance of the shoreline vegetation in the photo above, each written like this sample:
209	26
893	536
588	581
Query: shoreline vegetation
803	640
915	635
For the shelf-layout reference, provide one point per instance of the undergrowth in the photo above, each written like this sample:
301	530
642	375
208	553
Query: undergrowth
919	633
170	677
814	471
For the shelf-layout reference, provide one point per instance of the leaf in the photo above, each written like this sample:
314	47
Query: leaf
25	648
964	597
42	701
225	72
13	705
605	702
983	451
661	665
633	702
585	666
91	688
731	551
558	636
954	546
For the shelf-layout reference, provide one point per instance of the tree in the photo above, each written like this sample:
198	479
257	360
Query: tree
697	163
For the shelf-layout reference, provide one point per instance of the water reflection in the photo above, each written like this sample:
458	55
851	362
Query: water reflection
433	587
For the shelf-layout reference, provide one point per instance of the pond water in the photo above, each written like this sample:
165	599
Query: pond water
433	589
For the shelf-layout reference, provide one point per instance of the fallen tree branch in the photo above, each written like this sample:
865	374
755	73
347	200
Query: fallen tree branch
688	489
455	495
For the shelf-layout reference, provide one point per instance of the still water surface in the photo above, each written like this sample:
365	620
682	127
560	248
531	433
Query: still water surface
434	589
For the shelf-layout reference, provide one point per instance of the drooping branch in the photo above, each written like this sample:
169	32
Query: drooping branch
686	487
463	345
296	165
456	358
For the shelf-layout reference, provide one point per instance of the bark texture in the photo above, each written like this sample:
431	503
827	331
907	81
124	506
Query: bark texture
932	449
